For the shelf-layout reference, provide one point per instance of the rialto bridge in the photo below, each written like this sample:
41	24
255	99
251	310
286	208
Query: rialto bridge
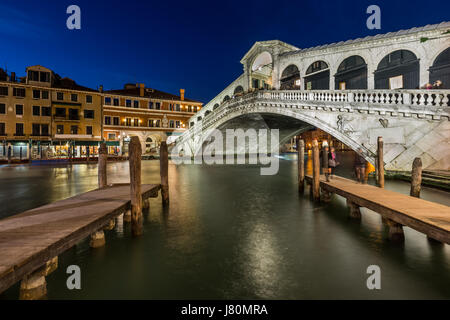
355	90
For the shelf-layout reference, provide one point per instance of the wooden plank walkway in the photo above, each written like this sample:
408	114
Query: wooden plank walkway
430	218
30	239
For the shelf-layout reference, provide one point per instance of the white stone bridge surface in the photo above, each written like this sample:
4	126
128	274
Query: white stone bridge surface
355	90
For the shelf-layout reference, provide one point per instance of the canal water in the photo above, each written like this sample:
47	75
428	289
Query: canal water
231	233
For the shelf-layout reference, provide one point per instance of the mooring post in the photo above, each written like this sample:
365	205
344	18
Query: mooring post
380	162
325	163
416	178
102	160
301	165
135	153
316	171
164	171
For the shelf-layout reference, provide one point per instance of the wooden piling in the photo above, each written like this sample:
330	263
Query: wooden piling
164	171
102	160
416	178
301	165
135	153
380	162
316	171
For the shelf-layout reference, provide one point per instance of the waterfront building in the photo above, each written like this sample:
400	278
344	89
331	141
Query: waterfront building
45	116
150	114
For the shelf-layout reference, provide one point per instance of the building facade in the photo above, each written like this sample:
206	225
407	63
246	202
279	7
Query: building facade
150	114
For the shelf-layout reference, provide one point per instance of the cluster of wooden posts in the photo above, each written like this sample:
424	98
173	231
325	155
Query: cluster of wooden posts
395	229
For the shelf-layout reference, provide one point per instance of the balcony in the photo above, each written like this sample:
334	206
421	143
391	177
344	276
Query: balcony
61	117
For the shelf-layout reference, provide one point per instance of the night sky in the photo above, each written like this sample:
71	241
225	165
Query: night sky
194	45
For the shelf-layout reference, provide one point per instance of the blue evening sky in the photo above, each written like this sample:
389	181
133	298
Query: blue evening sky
194	45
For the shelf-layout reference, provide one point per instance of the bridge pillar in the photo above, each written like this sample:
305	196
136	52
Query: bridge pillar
354	213
127	216
111	224
33	285
326	195
97	239
395	231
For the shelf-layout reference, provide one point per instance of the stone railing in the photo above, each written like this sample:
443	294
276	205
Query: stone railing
431	101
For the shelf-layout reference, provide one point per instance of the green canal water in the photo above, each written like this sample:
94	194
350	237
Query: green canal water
231	233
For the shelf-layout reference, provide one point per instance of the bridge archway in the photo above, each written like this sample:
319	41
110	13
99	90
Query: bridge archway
351	74
226	98
317	76
239	90
261	71
290	78
398	69
440	70
216	106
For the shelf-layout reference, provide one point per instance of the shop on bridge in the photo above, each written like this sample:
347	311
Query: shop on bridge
351	74
398	70
317	76
440	70
290	78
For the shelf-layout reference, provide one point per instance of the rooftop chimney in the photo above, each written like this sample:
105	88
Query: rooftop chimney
182	94
101	88
141	89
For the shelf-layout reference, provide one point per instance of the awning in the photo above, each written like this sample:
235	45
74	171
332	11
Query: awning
113	143
86	143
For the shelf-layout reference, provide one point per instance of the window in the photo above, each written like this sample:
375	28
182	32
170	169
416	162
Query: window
88	99
177	107
128	103
116	101
60	112
111	136
88	129
19	129
19	109
2	129
2	108
108	100
74	97
107	120
136	103
73	129
89	114
158	123
36	94
73	114
151	123
36	129
44	94
150	104
171	124
158	106
189	108
33	75
44	76
195	108
116	121
46	111
60	129
36	111
3	91
60	96
170	107
44	130
177	124
19	92
136	122
128	121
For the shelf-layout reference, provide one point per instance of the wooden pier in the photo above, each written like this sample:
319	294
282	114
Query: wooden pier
430	218
30	242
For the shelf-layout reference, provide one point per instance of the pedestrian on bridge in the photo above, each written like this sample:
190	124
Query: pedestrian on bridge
332	162
360	166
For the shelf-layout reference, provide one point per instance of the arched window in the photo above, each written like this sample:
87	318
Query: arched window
215	106
207	112
351	74
199	118
261	71
317	76
226	98
440	70
398	70
290	78
239	90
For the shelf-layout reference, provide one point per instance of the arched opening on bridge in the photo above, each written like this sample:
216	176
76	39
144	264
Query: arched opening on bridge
261	71
440	70
290	78
215	106
317	76
351	74
207	112
199	118
226	98
398	70
238	91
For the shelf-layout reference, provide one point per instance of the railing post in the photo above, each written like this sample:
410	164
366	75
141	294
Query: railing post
406	98
135	153
380	162
301	164
102	160
316	171
416	178
164	171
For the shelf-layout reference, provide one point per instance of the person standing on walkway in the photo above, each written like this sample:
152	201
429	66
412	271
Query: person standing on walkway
360	166
332	162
